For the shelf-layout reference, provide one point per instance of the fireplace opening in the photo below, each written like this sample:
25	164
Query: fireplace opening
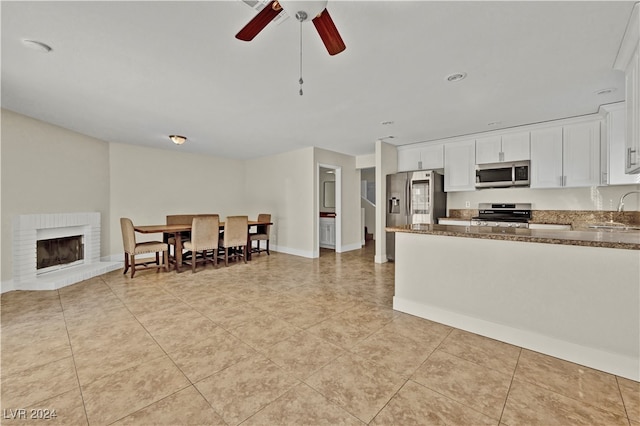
55	252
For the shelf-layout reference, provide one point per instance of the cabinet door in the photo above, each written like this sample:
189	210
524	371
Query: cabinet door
432	157
515	147
632	89
408	159
581	154
488	150
459	166
546	158
613	152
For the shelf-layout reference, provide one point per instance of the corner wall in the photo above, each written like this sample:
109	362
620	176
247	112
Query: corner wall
48	169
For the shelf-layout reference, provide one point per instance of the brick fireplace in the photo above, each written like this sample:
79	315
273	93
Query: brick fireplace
28	229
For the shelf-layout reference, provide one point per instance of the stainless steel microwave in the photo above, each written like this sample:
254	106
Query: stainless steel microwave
503	175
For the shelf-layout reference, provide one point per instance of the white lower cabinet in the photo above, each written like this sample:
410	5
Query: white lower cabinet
328	232
567	156
460	166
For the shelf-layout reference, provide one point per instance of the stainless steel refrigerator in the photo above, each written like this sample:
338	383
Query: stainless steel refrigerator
413	197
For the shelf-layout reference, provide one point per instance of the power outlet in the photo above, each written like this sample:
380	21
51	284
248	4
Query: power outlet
467	204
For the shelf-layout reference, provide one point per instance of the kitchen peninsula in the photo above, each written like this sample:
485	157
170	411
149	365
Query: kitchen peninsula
574	295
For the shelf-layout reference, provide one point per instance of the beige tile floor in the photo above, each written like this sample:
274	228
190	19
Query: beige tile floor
280	340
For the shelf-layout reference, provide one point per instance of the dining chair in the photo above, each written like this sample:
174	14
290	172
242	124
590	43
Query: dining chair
204	239
261	234
178	219
234	241
133	248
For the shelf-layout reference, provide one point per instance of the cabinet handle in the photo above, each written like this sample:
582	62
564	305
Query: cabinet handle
629	153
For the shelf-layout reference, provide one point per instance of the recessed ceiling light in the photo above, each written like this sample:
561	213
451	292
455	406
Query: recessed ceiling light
37	45
606	91
456	76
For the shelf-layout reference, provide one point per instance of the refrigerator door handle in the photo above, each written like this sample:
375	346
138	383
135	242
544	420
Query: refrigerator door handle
407	197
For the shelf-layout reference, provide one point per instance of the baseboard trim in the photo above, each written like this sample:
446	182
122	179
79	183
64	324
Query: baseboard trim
613	363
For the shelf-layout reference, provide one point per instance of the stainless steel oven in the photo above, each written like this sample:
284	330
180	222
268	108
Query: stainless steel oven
509	215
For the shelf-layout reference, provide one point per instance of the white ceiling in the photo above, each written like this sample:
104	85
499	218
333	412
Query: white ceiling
135	72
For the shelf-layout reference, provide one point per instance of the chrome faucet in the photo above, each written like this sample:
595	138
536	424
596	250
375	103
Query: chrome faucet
621	203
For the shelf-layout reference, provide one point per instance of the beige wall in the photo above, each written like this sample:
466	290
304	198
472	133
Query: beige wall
48	169
148	184
283	186
386	163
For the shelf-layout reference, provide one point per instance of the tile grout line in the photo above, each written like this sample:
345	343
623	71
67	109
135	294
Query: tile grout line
624	404
73	357
513	376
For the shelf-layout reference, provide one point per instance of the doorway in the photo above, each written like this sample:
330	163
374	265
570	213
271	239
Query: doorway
329	211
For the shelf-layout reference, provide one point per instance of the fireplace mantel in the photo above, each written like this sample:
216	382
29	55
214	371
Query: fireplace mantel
27	228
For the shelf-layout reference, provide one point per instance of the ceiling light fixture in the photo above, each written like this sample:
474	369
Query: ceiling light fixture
456	77
37	45
177	139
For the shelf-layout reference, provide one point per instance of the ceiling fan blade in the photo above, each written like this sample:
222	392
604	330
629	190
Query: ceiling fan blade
257	24
329	33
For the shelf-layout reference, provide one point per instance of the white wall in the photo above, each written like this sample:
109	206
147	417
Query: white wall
284	185
48	169
148	184
386	163
589	198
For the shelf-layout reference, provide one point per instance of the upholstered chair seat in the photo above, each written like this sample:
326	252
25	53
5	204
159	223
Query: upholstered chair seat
234	241
261	234
133	248
205	231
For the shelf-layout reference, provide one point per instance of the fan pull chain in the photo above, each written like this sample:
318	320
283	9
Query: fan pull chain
300	80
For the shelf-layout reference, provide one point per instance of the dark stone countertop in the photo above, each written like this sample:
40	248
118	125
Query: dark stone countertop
629	240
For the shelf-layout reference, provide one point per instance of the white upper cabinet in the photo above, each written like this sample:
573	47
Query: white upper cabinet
567	156
632	96
460	166
426	157
546	158
628	60
581	154
613	150
497	149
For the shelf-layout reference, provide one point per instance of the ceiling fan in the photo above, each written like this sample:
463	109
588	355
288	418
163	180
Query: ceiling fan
302	10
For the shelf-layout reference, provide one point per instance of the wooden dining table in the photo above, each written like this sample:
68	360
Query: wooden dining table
177	230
